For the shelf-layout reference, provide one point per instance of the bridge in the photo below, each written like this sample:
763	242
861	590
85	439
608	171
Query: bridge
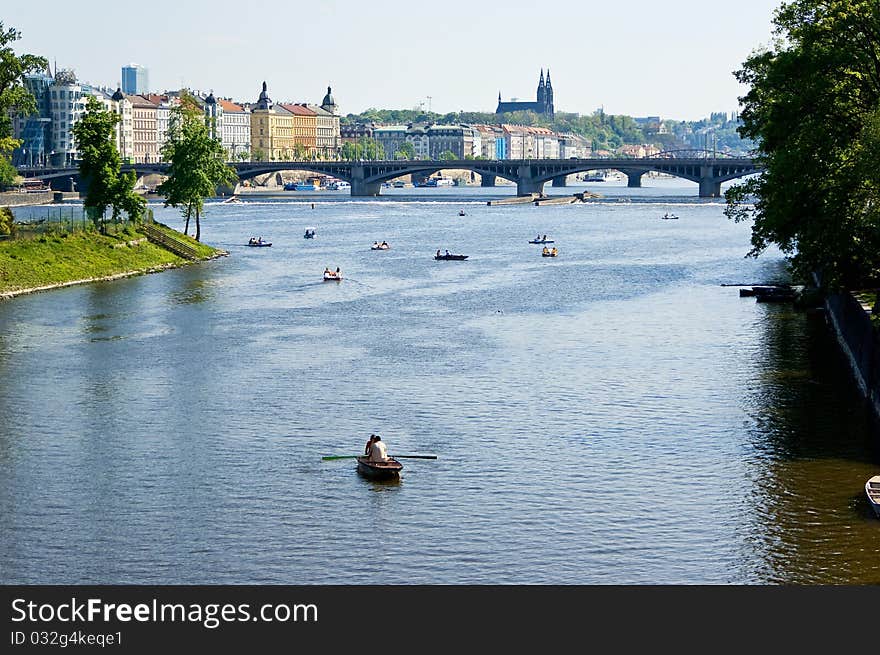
530	175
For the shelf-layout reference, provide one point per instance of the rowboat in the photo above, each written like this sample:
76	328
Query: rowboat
669	217
381	246
310	234
451	258
538	242
872	488
379	470
332	275
549	253
259	244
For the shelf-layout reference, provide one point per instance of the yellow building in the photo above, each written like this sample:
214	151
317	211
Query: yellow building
272	131
305	130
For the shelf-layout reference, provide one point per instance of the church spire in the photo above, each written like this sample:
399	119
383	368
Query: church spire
542	91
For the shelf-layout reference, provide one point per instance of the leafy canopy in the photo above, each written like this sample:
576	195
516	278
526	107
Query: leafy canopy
814	110
197	162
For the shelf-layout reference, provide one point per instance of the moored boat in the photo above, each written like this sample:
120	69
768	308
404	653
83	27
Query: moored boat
379	470
872	489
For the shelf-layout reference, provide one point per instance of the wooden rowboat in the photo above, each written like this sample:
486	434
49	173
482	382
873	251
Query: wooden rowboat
872	489
379	470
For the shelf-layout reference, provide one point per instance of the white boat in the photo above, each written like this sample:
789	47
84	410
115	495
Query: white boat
380	246
872	489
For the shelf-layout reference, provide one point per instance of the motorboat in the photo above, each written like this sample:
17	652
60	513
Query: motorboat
259	243
379	470
872	489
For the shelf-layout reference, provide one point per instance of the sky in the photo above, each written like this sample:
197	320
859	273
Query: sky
672	58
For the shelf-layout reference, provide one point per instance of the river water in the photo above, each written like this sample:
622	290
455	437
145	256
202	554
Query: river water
613	415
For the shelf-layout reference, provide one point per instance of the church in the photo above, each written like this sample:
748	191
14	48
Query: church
544	104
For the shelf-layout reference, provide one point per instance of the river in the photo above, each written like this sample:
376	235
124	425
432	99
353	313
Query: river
613	415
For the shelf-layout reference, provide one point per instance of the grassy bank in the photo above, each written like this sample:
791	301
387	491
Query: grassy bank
59	259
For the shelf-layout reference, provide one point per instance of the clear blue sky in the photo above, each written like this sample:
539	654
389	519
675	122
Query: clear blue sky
670	58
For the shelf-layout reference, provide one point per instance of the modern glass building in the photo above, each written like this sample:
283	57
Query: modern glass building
135	80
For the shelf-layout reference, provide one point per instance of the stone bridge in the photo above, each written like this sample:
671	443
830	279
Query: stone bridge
530	175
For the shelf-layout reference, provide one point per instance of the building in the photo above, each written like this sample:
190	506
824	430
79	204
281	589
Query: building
272	137
354	132
145	130
572	146
542	105
135	80
34	131
67	104
328	134
492	144
120	105
457	139
305	130
390	138
164	104
235	133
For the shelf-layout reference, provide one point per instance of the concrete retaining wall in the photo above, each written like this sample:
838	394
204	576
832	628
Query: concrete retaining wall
859	342
18	199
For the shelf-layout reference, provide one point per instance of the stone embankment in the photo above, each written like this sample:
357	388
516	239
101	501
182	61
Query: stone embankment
859	340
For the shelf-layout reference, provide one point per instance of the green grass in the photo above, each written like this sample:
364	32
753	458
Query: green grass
60	258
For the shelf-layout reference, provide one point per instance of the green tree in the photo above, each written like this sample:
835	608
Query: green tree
15	99
99	166
8	174
447	155
371	149
7	222
812	108
406	151
197	163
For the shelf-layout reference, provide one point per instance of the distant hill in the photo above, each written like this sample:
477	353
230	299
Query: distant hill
605	131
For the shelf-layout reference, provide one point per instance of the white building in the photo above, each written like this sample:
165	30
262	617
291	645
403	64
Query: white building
67	102
235	131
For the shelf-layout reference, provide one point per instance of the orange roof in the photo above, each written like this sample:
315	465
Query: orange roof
299	110
229	106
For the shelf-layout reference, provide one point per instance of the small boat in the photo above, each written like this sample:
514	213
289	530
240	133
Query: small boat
549	253
232	199
310	233
379	470
451	258
539	242
775	294
669	217
872	488
259	243
380	246
461	213
335	276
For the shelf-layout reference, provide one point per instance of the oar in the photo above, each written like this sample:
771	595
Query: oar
334	457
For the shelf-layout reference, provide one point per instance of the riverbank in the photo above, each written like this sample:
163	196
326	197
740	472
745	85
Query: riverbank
850	320
55	261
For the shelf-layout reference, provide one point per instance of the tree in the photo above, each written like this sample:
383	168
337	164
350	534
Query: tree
813	110
99	167
7	222
15	99
8	174
406	151
447	155
197	163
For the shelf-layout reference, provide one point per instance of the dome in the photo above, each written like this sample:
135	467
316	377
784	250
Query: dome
328	100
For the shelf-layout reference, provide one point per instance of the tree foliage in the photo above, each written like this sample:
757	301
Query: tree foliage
99	167
15	99
197	162
814	110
